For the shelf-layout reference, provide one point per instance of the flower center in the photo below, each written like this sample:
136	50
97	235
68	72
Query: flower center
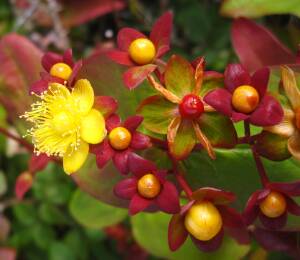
149	186
203	220
191	107
61	70
119	138
56	122
142	51
245	99
274	205
63	122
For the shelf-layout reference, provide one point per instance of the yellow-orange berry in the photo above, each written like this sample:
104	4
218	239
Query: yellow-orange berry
119	138
203	220
61	70
274	205
245	99
142	51
149	186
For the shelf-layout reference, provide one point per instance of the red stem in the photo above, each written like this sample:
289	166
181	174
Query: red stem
180	178
21	141
259	165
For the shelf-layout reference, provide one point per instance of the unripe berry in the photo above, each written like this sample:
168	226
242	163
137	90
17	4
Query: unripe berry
142	51
61	70
274	205
149	186
119	138
191	107
203	220
245	99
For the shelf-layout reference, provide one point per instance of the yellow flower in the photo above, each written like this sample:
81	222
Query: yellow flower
290	125
65	122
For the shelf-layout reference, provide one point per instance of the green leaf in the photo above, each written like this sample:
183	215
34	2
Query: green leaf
151	232
234	170
184	141
51	214
99	183
179	76
158	113
60	251
25	214
218	129
106	79
94	214
258	8
43	235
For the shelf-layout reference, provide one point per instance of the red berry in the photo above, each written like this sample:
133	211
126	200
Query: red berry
191	107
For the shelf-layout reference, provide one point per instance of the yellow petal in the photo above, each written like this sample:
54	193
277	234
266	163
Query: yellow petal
83	94
73	160
92	129
286	127
290	86
58	89
294	145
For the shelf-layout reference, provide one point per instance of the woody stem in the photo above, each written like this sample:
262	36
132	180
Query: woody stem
19	140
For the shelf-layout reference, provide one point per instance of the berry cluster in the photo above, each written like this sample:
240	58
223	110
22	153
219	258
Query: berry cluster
193	109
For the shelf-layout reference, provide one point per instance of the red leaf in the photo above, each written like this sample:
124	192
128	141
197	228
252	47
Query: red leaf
7	253
161	33
136	75
38	162
20	66
177	233
257	47
77	12
23	184
106	105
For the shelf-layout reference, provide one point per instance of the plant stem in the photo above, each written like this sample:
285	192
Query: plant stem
259	165
21	141
180	178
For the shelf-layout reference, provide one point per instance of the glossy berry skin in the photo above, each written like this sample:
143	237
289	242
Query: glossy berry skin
61	70
142	51
149	186
203	220
245	99
274	205
119	138
191	107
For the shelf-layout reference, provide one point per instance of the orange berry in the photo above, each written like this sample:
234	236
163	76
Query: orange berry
149	186
203	220
274	205
61	70
245	99
119	138
142	51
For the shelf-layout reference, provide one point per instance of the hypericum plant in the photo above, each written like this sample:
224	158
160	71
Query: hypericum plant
192	109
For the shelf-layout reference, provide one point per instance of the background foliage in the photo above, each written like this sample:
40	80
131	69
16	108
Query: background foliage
56	220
